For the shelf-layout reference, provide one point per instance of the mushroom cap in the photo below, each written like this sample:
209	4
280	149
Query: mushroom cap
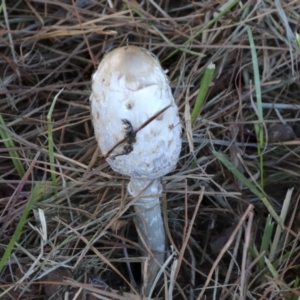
129	88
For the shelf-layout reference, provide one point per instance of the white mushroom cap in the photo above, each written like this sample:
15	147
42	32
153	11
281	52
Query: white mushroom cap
131	85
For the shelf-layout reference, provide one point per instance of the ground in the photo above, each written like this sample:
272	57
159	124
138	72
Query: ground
230	207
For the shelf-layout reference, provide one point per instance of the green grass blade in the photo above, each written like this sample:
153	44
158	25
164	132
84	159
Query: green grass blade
221	157
13	153
204	86
296	282
34	197
259	130
266	240
253	252
51	143
295	286
298	39
271	268
284	210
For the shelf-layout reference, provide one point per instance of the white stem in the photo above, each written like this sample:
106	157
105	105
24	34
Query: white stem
149	223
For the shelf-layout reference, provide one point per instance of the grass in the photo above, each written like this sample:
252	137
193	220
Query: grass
231	207
204	86
8	141
35	195
259	127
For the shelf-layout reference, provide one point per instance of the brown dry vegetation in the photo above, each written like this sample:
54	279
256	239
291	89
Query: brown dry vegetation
214	221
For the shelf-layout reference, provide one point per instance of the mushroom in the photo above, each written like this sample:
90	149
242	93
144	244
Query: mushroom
138	130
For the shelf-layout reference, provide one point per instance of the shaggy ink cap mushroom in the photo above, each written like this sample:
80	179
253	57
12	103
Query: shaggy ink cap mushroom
128	89
138	130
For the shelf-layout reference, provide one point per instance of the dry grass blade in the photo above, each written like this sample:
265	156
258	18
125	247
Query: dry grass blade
225	248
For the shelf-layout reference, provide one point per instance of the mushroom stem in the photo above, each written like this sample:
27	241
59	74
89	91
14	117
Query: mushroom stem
149	223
